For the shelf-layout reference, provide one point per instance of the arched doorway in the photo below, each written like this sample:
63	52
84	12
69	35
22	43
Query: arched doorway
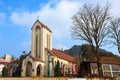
28	69
38	70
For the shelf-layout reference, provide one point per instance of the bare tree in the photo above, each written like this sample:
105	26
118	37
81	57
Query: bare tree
115	32
91	25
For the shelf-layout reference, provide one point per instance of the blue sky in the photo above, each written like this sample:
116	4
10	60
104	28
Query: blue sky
18	16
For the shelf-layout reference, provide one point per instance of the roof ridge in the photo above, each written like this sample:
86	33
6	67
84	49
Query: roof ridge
4	62
62	55
36	58
63	52
42	24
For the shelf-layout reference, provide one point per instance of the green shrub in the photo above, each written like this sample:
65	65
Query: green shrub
4	72
57	70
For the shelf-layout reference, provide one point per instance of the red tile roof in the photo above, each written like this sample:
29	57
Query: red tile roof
43	25
16	60
110	60
62	55
4	63
107	60
36	59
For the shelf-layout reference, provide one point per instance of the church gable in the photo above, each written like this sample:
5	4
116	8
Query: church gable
28	59
41	39
38	62
40	24
36	59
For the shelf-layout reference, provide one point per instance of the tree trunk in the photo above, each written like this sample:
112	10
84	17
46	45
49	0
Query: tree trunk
119	49
98	60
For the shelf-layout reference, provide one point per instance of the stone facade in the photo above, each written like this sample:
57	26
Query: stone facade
37	62
29	67
8	58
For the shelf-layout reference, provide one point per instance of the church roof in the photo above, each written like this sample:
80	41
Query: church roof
110	60
107	60
62	55
36	59
16	60
4	63
43	25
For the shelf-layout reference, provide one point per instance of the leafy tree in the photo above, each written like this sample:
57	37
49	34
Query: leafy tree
19	67
91	25
5	72
57	69
13	58
86	52
115	32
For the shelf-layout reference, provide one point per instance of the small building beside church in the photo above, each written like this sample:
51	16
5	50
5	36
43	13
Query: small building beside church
42	58
4	61
2	65
110	67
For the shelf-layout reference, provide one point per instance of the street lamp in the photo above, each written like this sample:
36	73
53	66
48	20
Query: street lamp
48	64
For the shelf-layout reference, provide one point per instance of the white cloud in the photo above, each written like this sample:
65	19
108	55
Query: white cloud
22	18
56	15
114	5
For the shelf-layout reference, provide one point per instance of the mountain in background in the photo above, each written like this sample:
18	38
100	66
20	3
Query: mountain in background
84	50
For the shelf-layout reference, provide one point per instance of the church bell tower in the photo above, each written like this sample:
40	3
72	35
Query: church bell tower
41	40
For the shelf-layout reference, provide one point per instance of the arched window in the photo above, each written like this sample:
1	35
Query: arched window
38	39
28	69
48	40
39	70
36	44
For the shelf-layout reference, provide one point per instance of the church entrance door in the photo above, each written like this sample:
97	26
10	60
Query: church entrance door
28	69
38	70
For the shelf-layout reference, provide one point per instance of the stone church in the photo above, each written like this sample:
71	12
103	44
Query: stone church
42	59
